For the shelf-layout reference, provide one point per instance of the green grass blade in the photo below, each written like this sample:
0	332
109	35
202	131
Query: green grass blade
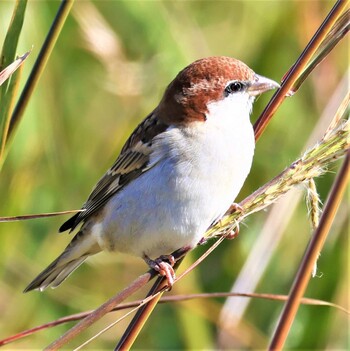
9	87
40	63
14	71
11	40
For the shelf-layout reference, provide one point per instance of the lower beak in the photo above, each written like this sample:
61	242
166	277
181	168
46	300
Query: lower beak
260	85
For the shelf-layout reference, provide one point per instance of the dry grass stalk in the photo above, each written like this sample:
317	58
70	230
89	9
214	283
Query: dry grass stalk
39	65
166	299
305	268
100	312
313	201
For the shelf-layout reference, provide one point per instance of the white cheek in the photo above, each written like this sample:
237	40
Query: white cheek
235	108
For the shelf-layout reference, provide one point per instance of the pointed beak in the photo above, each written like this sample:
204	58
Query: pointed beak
260	85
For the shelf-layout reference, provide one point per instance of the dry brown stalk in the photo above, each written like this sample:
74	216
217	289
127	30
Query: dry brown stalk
299	67
305	269
167	299
157	290
101	311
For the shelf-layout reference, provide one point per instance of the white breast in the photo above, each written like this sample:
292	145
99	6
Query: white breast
198	172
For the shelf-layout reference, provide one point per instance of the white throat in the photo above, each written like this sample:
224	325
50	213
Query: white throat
233	109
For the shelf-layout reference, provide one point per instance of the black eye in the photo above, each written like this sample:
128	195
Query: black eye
234	87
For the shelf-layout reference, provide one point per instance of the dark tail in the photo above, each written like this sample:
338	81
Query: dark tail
54	274
80	248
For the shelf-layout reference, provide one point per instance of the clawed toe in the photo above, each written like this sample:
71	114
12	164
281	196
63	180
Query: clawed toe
163	267
235	208
164	258
232	232
167	271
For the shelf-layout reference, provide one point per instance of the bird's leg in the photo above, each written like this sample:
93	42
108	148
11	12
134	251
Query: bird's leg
163	267
229	234
232	232
235	208
164	264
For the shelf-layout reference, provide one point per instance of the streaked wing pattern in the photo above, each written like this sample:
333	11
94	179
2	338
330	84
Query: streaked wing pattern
132	161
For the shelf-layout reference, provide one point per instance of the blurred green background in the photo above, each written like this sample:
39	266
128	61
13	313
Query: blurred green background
107	72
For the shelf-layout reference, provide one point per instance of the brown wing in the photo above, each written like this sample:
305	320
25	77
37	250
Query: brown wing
132	161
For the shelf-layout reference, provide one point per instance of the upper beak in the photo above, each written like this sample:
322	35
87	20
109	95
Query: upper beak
260	85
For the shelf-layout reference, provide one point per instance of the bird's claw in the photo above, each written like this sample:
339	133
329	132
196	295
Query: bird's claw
232	232
203	241
164	266
235	208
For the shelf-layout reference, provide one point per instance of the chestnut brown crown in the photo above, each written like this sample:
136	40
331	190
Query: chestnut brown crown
204	81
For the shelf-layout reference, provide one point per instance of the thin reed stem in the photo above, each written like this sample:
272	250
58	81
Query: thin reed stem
40	64
100	312
298	68
306	266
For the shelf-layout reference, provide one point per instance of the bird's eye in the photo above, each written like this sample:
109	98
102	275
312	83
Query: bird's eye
234	87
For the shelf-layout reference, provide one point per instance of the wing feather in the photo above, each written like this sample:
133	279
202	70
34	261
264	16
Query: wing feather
130	164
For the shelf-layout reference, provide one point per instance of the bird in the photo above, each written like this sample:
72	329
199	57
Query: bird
178	172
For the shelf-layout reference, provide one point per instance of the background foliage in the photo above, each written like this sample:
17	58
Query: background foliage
107	72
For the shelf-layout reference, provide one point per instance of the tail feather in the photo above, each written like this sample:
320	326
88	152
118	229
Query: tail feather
54	274
80	248
69	268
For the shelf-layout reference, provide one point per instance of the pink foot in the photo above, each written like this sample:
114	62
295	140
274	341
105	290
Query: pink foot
163	267
235	208
232	232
